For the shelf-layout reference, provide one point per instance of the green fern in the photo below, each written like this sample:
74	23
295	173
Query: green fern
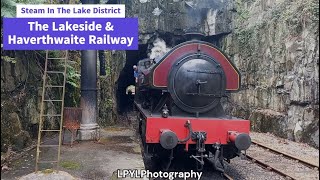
73	77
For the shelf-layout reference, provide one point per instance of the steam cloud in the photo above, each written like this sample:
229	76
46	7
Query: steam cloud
159	49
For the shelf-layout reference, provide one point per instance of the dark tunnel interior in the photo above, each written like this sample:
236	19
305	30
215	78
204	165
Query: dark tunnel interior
126	78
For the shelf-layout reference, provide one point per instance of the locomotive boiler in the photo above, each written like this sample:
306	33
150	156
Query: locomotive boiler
180	112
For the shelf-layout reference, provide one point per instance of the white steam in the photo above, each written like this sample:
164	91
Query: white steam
159	49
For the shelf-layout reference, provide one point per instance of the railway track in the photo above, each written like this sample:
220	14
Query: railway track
306	163
277	170
268	167
226	176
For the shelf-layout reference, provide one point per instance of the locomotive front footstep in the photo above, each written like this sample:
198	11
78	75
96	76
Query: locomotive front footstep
178	99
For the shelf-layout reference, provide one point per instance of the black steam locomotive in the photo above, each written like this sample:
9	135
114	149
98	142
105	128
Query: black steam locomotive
180	110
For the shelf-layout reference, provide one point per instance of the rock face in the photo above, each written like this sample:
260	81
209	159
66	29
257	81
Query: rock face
275	45
21	91
176	17
107	96
19	103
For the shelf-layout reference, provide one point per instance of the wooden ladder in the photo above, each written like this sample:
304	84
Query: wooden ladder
46	115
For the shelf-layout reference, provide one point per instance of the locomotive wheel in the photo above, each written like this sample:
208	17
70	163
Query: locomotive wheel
160	163
145	105
151	162
154	162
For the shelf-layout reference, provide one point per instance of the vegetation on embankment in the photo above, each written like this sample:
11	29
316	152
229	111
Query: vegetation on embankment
21	88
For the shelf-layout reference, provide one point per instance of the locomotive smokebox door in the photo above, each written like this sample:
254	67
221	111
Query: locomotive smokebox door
196	83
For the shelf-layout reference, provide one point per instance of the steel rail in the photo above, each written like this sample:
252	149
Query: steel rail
223	174
227	176
268	167
306	163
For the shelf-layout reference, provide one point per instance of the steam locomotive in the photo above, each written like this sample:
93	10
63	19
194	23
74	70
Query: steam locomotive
178	99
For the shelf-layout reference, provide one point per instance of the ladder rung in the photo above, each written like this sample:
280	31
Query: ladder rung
54	86
49	145
52	115
48	130
53	100
55	72
58	58
47	161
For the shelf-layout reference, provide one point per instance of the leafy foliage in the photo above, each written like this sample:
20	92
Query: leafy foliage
72	96
73	76
8	59
8	8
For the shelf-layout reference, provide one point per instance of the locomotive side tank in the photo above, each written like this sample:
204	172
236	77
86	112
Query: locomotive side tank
179	103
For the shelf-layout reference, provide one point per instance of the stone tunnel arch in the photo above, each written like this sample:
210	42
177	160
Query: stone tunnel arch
124	101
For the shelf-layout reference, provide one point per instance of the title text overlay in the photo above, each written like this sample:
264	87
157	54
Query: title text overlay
71	11
70	33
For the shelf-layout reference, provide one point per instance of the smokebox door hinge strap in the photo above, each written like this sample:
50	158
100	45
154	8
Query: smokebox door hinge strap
199	48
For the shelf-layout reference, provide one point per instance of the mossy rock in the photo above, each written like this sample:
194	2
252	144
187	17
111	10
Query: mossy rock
70	165
21	140
15	124
47	171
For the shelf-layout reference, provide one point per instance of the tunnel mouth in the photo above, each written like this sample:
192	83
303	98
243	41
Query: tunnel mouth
194	35
126	79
